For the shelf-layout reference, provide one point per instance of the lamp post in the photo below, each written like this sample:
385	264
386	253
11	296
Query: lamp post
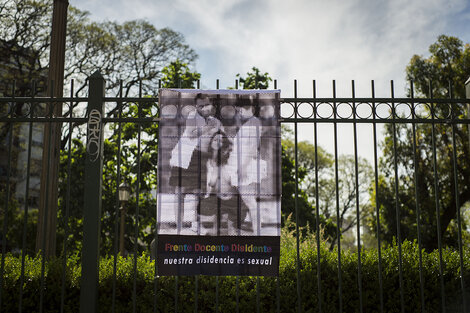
124	194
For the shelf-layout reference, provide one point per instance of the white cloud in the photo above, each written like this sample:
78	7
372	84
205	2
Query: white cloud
302	39
325	40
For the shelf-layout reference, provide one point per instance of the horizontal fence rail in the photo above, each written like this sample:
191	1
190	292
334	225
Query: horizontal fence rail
418	158
300	110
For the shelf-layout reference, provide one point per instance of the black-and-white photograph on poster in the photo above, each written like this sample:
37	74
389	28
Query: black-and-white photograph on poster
219	181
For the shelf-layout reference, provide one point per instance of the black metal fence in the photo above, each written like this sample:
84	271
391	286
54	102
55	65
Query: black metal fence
89	189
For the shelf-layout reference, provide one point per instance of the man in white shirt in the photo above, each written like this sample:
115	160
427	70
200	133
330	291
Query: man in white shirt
246	158
188	164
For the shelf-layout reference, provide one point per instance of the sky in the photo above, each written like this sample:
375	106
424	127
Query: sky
342	40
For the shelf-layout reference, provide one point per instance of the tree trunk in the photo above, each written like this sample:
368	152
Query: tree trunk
46	232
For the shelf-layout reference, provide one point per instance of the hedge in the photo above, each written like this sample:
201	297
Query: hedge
146	283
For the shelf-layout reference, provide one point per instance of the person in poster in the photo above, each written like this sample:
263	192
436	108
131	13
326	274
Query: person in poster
251	169
219	181
220	193
185	162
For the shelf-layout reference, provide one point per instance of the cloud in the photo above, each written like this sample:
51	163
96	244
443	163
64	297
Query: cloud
303	39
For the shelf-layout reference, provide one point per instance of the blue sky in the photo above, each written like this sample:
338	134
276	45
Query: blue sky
302	39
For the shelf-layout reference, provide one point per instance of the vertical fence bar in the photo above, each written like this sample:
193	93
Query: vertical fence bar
67	201
180	203
278	291
338	230
198	208
417	198
436	197
457	204
218	230
92	196
26	203
154	252
237	294
7	195
297	236
317	201
258	191
377	203
48	145
237	282
462	281
467	95
397	199
7	202
118	182
358	216
137	211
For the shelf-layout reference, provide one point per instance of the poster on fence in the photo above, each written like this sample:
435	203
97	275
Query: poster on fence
219	182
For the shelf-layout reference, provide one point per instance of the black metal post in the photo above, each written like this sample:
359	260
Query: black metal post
467	94
92	201
123	210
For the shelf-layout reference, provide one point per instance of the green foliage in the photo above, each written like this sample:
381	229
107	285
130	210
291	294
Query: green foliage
24	41
71	190
141	176
421	179
255	79
178	75
327	185
18	225
137	165
133	51
306	212
448	64
164	298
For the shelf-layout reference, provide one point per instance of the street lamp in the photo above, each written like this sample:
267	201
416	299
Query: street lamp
124	194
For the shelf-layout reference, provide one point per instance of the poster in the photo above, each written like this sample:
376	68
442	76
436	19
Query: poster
219	182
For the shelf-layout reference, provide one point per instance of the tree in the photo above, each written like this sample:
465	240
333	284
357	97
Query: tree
306	157
124	137
327	184
178	75
447	65
255	79
306	212
25	41
135	52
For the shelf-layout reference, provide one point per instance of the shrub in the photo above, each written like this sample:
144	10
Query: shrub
181	290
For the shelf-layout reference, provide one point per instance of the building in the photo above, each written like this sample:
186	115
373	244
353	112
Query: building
20	70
